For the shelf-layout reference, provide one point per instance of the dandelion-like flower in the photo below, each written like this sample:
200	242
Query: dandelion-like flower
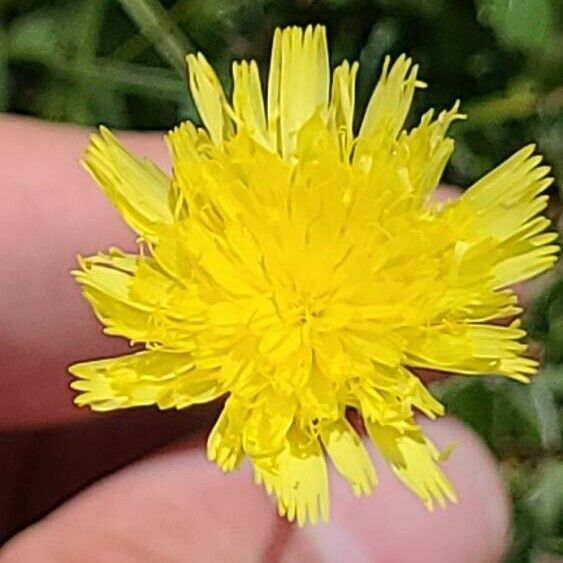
301	270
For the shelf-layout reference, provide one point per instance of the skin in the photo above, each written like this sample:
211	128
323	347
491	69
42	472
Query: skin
174	505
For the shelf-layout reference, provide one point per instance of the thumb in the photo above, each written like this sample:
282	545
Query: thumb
178	507
394	527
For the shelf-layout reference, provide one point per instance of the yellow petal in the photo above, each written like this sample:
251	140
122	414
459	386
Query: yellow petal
144	378
342	102
298	478
137	188
349	455
427	151
388	106
210	99
423	400
150	286
414	460
224	445
267	424
472	349
106	280
298	84
248	103
503	207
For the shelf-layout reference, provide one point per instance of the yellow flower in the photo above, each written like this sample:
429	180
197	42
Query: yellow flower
301	269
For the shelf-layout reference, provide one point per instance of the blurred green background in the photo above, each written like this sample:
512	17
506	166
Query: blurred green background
120	62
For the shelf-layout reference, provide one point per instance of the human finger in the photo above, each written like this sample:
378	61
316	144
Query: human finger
178	507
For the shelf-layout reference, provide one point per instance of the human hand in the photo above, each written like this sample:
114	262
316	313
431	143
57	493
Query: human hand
175	506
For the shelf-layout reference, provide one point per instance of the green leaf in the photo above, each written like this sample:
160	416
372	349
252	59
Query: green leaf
553	376
471	400
526	417
382	37
545	504
514	419
36	33
4	72
547	411
108	107
545	321
161	30
521	24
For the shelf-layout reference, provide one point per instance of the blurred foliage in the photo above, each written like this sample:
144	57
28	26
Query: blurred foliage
120	63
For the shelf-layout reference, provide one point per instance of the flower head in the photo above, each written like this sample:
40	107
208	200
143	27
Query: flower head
301	269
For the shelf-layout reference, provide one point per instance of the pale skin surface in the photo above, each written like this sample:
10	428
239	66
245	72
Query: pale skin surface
175	506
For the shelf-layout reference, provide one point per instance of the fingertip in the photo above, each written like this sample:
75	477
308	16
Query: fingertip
173	507
392	526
